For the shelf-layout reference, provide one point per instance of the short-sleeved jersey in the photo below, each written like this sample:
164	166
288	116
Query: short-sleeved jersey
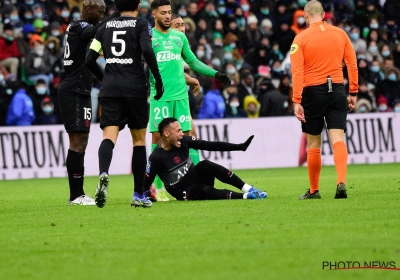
170	49
318	52
77	78
119	41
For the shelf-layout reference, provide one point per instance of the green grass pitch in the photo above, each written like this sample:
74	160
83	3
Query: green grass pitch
276	238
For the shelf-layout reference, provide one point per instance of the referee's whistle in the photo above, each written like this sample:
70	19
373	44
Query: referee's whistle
329	81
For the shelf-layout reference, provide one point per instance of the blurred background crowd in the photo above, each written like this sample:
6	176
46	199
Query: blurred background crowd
247	39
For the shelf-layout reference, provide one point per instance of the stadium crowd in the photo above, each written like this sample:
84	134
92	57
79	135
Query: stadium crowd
247	39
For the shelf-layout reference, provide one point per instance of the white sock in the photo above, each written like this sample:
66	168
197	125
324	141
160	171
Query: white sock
245	196
246	188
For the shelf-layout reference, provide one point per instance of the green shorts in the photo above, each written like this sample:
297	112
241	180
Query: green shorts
178	109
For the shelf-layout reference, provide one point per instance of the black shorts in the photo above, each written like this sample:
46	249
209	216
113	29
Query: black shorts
75	111
192	192
320	105
119	111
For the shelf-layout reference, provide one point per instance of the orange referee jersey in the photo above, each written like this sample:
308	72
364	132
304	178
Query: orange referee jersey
318	52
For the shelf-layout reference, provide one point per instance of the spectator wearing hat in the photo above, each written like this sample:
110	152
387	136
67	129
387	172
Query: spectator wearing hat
246	87
46	115
233	109
266	28
190	29
240	18
20	111
383	104
145	12
272	101
251	106
39	26
363	106
299	23
252	34
38	62
284	36
52	44
9	52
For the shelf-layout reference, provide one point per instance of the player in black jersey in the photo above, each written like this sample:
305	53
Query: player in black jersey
124	89
74	95
185	181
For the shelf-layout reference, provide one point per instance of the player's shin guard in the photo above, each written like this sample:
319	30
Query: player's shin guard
195	156
138	167
340	157
105	155
157	183
75	170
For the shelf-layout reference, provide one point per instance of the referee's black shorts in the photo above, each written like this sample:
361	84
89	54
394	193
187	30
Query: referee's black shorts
119	111
320	105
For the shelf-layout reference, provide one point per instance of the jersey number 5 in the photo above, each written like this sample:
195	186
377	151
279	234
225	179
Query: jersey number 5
115	40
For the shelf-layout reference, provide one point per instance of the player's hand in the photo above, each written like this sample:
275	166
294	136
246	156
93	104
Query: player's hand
159	89
246	144
195	86
223	78
299	112
351	101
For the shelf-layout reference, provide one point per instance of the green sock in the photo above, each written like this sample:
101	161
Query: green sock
194	155
158	184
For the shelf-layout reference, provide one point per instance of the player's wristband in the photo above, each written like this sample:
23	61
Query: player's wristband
353	93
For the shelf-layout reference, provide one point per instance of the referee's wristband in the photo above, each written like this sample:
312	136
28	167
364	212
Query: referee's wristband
353	93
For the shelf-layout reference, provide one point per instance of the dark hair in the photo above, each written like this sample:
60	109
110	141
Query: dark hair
174	16
126	5
158	3
165	122
40	81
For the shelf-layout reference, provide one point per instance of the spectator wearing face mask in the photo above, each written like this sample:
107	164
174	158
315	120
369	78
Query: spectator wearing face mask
251	106
252	33
397	105
37	93
233	109
390	87
383	105
299	23
55	31
231	71
363	106
9	52
37	61
376	75
373	52
359	45
46	115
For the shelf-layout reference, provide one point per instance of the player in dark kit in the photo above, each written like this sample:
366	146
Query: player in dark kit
185	181
74	95
123	93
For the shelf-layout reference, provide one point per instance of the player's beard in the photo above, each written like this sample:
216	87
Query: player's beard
162	25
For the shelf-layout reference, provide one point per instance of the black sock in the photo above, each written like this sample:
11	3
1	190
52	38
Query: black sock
139	167
75	170
225	194
105	155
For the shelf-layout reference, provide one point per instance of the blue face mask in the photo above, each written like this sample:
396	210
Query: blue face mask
354	36
264	11
373	49
385	53
397	109
231	71
277	70
392	77
1	78
375	69
55	33
28	16
38	15
347	29
182	13
382	107
65	14
14	17
75	15
221	10
216	62
29	2
362	109
9	91
41	90
245	8
374	26
47	109
228	56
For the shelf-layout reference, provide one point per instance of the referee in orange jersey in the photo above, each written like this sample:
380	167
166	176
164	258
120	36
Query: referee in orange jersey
319	94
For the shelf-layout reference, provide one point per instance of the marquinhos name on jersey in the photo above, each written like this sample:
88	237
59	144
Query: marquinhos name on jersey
121	24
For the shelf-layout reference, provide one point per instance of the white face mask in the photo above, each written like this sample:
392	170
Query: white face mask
200	53
300	20
234	104
397	109
382	107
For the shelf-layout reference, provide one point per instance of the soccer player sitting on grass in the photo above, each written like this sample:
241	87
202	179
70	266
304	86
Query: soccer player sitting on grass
185	181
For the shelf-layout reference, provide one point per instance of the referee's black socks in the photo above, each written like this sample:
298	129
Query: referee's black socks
75	170
105	155
138	167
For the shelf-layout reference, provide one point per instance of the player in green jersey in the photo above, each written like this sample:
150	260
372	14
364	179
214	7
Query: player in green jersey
170	47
